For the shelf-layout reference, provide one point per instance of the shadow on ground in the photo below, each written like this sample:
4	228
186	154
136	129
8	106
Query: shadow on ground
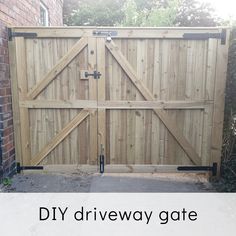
83	182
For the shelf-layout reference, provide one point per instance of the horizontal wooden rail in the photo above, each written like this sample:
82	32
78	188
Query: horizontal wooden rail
113	168
92	104
75	32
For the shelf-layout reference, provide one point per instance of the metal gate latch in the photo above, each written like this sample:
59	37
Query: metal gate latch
96	74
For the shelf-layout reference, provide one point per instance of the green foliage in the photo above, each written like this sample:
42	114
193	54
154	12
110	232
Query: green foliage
228	180
192	13
96	13
131	15
162	15
6	181
139	13
230	99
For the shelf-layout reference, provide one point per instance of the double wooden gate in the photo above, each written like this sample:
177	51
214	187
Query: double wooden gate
158	103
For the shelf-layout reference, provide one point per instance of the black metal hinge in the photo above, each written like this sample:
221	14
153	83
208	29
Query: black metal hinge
205	36
212	168
20	34
19	168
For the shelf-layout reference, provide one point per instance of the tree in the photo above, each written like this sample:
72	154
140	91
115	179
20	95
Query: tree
96	13
162	15
139	13
131	15
68	7
192	13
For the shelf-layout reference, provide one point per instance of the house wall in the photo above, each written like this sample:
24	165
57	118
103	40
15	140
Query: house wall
16	13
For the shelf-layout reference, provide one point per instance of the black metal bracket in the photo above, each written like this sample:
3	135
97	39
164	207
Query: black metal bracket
205	36
102	163
19	168
12	34
212	168
95	74
105	33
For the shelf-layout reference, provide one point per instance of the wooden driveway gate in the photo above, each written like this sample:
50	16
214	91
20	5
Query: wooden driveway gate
148	99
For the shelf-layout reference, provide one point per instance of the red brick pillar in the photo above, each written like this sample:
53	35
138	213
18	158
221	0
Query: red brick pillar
7	151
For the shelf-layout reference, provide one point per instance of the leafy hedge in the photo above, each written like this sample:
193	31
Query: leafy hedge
228	180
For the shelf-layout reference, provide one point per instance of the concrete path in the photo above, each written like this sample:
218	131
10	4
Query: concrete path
81	182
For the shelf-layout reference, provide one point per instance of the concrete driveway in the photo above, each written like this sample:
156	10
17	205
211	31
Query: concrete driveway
82	182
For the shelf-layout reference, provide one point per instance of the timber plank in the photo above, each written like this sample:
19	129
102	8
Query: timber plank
93	121
218	107
22	89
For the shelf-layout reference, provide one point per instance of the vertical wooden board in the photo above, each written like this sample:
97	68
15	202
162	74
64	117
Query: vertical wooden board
123	113
209	95
140	114
74	136
64	85
189	93
206	138
172	76
110	95
38	141
165	54
93	126
108	66
23	89
181	157
155	137
131	95
219	95
30	57
57	54
211	69
115	114
47	62
149	70
199	75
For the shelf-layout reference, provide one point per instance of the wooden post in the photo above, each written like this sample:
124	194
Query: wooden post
22	90
219	98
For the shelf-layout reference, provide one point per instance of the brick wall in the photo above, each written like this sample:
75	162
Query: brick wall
16	13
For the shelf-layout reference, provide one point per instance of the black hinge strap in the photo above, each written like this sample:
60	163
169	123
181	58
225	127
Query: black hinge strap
20	34
19	168
205	36
212	168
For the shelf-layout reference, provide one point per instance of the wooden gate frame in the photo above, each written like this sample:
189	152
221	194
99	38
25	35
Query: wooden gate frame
18	69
